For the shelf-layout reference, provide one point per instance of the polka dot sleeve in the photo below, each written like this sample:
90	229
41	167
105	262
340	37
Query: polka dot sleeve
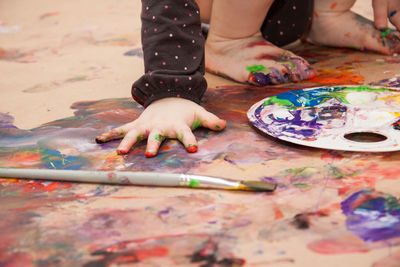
173	49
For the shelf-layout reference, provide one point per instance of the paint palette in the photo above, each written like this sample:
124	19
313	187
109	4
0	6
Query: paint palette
353	118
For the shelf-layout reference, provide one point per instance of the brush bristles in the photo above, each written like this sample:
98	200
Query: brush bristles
258	186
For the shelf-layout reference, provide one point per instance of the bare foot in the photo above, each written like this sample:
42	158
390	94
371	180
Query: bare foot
254	60
347	29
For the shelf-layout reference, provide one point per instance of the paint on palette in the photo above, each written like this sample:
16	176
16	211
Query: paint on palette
331	117
371	215
392	82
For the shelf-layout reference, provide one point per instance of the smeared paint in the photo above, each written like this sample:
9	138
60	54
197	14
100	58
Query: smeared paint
191	148
196	124
339	245
328	76
372	215
207	255
134	52
194	183
301	221
48	14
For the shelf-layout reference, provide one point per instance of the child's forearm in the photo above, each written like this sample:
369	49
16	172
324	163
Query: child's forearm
173	48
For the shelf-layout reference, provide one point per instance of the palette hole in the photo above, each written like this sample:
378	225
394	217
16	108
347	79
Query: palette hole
365	137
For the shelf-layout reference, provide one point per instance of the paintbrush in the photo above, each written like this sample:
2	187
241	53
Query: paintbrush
138	178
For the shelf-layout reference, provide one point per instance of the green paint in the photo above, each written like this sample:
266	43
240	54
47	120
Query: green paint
384	34
158	137
194	183
196	124
301	173
302	185
76	79
291	64
337	173
121	132
217	126
139	138
356	48
257	68
275	100
366	88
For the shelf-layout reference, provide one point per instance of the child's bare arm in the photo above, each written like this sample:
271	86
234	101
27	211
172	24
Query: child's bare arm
173	118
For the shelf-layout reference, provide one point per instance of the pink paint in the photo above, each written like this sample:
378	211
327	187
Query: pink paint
342	245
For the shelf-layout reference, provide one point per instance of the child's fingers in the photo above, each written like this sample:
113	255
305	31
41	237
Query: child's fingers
186	136
211	121
394	17
154	141
380	14
129	140
116	133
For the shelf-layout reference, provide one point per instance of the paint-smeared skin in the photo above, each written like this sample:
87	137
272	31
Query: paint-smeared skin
295	69
340	27
234	58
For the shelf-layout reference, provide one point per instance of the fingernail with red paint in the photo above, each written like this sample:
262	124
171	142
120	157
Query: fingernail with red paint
150	154
191	148
121	151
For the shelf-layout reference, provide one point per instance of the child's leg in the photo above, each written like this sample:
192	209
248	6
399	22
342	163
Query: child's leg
236	49
335	25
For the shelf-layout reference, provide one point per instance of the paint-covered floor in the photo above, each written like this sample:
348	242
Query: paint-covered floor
65	73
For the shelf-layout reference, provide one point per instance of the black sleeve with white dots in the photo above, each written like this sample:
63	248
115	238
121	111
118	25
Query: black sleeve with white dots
173	50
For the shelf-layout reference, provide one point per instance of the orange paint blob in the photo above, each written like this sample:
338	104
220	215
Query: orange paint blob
333	5
342	76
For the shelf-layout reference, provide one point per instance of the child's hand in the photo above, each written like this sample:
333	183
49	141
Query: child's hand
173	118
384	9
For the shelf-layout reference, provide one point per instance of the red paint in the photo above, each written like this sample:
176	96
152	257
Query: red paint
342	76
266	57
150	154
355	183
191	148
164	148
28	186
151	252
49	14
331	156
121	151
342	245
259	43
278	213
333	5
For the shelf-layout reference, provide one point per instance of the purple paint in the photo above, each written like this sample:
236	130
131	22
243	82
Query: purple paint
372	215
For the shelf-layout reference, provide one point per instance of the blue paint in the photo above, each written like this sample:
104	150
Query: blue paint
134	52
263	78
53	159
372	215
